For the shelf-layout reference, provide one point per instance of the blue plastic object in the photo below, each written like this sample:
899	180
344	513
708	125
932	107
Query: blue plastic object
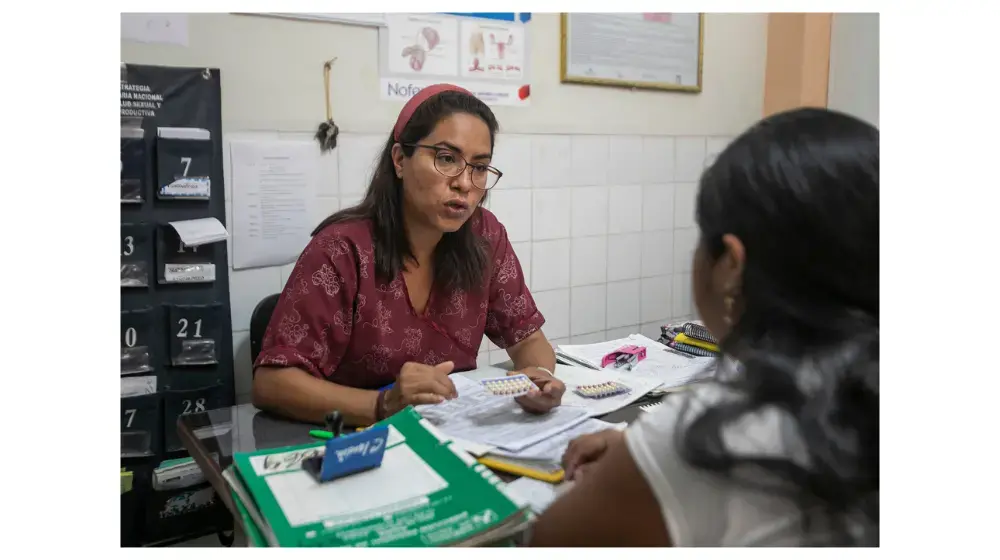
352	453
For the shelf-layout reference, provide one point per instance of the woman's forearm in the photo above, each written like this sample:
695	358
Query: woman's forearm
533	351
293	393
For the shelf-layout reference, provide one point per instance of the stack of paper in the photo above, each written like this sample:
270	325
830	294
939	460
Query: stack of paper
574	376
480	417
661	364
552	449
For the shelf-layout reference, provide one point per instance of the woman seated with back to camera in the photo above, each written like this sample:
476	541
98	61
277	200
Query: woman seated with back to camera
400	289
782	449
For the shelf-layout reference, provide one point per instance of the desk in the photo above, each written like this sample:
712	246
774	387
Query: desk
244	428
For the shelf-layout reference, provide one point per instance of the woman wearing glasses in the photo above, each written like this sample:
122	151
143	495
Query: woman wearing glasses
392	295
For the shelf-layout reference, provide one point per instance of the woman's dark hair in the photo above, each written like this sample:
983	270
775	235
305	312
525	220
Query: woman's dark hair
800	190
460	259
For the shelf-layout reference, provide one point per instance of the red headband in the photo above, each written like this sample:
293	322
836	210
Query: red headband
416	101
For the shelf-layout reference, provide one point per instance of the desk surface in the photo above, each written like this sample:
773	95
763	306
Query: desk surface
244	428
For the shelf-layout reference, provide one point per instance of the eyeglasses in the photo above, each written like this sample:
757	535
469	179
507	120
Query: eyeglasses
450	164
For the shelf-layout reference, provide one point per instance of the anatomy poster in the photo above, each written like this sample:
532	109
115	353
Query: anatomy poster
484	53
422	44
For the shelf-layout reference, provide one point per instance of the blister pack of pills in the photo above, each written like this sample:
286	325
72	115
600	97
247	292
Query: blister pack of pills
602	390
513	386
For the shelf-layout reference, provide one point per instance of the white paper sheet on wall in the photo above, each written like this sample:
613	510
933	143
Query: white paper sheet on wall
274	185
167	29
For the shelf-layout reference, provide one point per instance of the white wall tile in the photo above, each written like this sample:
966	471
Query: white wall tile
588	260
589	338
322	208
483	360
652	329
589	309
485	345
511	208
512	156
622	332
714	146
554	306
624	256
242	367
329	174
498	357
286	273
589	160
625	209
551	157
682	304
550	213
657	207
657	159
657	253
229	228
523	252
685	198
685	243
690	158
625	160
357	156
550	264
247	288
623	303
655	298
351	200
590	211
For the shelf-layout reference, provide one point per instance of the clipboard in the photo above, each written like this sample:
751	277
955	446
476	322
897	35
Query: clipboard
538	470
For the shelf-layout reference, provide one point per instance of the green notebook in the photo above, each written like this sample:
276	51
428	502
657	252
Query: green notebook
426	493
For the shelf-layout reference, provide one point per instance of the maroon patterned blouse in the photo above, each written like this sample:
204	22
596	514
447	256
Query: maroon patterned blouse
339	322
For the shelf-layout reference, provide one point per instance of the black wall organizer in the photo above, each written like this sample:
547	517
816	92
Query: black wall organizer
178	332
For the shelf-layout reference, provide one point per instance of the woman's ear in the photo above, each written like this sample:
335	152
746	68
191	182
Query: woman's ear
397	159
729	267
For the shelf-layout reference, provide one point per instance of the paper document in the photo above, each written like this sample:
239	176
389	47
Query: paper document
200	232
167	29
574	376
670	369
552	449
403	478
535	494
480	417
274	187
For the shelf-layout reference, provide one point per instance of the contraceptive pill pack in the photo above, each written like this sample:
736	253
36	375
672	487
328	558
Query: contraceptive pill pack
512	386
602	390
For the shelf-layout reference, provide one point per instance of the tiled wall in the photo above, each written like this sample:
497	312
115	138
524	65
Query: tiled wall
603	226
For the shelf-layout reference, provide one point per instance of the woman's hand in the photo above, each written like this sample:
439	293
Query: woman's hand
586	450
420	384
546	397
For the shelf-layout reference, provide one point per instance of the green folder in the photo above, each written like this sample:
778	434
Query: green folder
427	492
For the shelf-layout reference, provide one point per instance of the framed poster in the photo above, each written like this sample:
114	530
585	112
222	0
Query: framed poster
659	51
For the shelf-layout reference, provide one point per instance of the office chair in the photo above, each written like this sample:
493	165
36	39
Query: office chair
259	319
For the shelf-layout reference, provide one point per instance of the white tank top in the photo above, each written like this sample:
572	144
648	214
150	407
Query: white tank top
701	508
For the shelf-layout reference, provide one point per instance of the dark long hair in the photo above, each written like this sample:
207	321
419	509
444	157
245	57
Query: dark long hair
800	190
460	259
